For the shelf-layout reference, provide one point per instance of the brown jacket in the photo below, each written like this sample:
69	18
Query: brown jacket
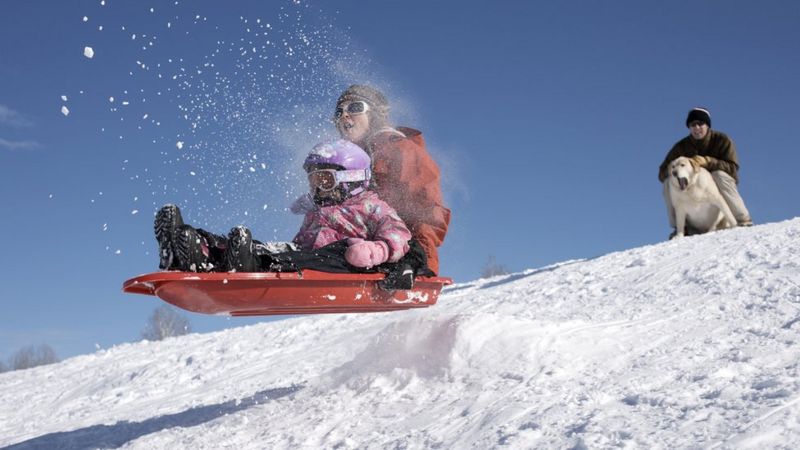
716	146
407	178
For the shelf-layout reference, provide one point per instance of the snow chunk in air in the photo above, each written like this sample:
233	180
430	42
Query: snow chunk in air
65	110
88	52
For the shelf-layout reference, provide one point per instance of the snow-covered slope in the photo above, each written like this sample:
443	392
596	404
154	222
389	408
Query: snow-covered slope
689	343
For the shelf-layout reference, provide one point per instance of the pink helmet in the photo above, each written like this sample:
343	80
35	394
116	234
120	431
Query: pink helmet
348	162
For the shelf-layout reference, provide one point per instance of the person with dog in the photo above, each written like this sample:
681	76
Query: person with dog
404	173
348	229
714	151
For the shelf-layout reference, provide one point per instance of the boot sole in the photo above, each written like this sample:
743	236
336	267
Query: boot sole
165	225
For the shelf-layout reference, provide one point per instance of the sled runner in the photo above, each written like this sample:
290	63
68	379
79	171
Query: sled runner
271	293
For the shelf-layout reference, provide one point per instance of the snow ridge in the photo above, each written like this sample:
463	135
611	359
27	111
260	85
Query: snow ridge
687	343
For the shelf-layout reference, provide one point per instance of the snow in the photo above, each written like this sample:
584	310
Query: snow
65	110
684	344
88	52
241	76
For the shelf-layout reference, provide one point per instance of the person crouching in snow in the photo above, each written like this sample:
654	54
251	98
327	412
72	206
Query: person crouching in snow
347	228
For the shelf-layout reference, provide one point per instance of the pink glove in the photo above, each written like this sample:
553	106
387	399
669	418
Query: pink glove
363	253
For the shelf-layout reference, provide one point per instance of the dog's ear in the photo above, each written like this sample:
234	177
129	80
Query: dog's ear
694	164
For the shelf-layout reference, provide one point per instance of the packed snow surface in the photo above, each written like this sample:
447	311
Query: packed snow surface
692	343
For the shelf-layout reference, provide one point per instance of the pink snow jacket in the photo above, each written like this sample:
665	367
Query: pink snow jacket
364	216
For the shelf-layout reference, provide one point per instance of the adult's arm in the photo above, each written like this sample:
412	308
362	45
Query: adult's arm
724	156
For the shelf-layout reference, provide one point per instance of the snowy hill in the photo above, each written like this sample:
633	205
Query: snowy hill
689	343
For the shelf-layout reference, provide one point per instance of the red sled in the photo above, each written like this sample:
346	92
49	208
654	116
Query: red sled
272	293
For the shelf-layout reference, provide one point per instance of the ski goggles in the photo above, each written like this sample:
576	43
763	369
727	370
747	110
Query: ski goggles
327	179
356	107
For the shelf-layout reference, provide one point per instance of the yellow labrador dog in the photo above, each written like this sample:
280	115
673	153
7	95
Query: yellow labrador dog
696	198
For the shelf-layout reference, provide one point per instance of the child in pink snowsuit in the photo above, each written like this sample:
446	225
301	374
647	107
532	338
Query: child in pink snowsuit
346	227
374	231
338	174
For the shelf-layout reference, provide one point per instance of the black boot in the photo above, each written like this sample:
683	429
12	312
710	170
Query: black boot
400	278
167	221
240	255
191	251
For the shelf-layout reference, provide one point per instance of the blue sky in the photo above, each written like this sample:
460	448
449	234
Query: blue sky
548	119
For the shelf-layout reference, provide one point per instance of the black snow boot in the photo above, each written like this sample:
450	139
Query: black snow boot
191	251
240	255
401	277
166	224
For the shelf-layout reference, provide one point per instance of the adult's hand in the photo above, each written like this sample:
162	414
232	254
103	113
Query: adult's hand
701	161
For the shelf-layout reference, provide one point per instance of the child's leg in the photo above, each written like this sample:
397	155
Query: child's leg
217	246
326	259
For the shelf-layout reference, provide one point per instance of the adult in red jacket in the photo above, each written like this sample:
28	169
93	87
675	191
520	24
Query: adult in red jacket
403	173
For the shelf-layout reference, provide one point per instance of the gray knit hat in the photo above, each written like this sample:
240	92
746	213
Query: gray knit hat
373	97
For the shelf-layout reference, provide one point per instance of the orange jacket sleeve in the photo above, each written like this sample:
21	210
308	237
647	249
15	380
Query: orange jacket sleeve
407	178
